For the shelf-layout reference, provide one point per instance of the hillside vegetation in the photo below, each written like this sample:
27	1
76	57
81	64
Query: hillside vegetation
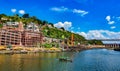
47	31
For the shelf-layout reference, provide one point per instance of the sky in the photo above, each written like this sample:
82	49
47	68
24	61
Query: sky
94	19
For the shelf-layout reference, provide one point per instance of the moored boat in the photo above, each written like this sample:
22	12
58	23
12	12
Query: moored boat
117	49
65	59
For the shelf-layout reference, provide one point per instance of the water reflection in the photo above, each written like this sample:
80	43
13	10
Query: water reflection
89	60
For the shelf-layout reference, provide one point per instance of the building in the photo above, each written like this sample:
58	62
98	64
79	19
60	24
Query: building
14	33
31	39
10	37
32	27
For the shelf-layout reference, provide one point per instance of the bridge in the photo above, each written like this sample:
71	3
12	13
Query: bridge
106	39
115	46
111	45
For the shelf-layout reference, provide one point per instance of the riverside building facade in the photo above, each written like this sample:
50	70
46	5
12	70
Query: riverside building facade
14	33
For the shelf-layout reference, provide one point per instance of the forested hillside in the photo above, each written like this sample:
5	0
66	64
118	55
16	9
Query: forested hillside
52	32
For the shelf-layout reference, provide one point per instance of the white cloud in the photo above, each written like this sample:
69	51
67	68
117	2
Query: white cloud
65	24
13	10
113	27
108	18
100	34
59	9
64	9
21	11
81	12
111	22
83	34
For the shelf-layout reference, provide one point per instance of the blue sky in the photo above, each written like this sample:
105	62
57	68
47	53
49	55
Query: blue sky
94	19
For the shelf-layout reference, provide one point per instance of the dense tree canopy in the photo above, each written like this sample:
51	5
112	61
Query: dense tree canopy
57	33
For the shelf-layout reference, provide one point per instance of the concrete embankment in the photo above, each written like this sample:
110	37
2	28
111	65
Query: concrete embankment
96	46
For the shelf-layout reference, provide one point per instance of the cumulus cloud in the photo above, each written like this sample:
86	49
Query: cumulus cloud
59	9
108	18
100	34
111	22
13	10
83	34
21	11
65	24
81	12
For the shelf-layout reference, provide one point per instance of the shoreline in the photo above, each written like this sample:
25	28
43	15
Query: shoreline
25	50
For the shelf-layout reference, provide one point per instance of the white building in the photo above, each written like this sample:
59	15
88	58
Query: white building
32	27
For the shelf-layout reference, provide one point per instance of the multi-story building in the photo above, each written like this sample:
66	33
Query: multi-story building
13	33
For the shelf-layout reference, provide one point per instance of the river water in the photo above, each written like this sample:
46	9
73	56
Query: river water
88	60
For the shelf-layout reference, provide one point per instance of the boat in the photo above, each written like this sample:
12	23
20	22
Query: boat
65	59
117	49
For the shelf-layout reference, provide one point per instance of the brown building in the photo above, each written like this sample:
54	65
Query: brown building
31	39
14	33
10	37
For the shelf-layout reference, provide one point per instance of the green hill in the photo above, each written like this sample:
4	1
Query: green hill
47	31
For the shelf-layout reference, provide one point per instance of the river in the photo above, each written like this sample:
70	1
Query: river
88	60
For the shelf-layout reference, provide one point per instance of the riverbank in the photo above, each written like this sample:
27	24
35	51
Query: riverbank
24	50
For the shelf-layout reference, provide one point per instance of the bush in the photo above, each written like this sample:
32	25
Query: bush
9	46
1	25
57	46
47	45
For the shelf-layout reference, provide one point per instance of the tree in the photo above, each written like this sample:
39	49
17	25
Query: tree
96	42
16	15
26	16
44	22
51	24
62	28
1	25
3	15
39	21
